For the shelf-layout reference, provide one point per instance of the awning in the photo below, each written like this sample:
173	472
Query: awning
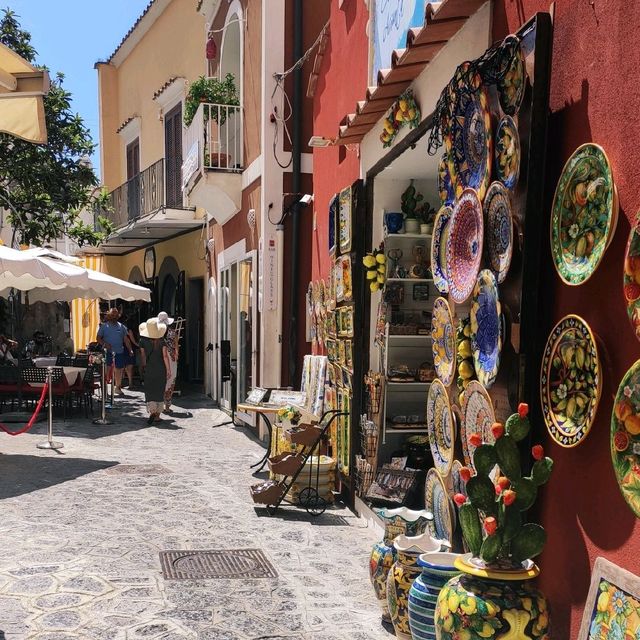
21	89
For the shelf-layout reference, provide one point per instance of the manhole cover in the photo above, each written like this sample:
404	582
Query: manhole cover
137	470
233	563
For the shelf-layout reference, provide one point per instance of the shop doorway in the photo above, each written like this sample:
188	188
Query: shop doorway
195	329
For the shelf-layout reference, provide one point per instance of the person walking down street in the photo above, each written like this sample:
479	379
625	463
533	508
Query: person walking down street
171	342
112	335
158	369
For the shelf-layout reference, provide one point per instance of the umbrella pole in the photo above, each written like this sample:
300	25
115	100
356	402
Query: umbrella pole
50	444
103	399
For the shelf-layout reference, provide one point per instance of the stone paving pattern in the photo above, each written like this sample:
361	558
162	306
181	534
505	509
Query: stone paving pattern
79	557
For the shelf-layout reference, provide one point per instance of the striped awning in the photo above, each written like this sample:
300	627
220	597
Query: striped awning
85	314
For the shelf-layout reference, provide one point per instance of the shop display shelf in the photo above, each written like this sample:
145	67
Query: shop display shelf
406	431
410	280
411	337
268	492
408	236
286	464
408	385
304	434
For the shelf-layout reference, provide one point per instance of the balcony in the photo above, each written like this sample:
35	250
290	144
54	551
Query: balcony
214	160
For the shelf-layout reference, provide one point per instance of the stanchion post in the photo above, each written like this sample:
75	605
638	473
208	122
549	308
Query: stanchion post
103	394
50	444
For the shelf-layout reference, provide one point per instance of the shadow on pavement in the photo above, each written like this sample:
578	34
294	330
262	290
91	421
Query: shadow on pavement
290	513
20	474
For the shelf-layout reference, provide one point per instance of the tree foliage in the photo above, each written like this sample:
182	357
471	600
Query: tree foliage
47	186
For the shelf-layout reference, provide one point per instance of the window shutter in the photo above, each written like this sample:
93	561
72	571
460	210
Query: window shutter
173	156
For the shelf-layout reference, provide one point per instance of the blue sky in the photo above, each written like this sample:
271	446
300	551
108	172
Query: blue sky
70	36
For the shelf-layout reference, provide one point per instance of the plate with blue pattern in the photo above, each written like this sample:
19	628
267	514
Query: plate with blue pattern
445	184
438	249
440	427
437	501
499	229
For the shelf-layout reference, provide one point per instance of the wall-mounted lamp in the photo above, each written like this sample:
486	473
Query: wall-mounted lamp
320	142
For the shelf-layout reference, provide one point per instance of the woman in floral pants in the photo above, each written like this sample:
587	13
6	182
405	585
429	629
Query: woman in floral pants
171	342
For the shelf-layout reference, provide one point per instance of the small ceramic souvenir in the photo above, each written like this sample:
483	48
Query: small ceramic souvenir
632	280
625	437
507	153
440	427
499	226
445	184
443	341
511	87
438	249
468	139
347	283
486	334
464	246
477	417
570	381
436	500
584	214
344	220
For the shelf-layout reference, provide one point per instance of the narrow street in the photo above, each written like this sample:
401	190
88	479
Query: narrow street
82	537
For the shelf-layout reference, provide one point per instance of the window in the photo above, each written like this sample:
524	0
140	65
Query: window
173	156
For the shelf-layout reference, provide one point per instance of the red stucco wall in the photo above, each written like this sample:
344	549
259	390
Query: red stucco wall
594	96
342	82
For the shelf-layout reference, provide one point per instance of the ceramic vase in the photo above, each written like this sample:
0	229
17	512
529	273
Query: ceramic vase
401	576
411	225
487	603
396	522
436	569
393	221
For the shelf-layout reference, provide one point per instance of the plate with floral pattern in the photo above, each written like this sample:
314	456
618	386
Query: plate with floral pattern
584	214
438	249
445	184
512	85
625	437
507	153
468	137
477	417
436	500
632	280
440	427
570	381
486	334
464	246
499	224
443	341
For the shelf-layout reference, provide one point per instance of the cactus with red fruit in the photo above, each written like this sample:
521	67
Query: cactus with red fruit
491	516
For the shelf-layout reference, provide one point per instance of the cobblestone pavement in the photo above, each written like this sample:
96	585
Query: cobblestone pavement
79	557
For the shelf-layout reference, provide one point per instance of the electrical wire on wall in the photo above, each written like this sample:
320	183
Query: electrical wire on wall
284	118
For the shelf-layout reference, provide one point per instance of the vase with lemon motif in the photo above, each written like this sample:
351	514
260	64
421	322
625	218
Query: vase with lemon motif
494	603
402	574
397	522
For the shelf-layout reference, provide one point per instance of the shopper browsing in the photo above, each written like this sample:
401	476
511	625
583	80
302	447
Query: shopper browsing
112	335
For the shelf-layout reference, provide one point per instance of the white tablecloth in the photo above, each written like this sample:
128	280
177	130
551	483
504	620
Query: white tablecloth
45	361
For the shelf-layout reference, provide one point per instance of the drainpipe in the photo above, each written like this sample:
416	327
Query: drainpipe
296	179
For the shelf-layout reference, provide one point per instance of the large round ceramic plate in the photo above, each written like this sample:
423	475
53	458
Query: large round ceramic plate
438	502
438	249
625	437
507	153
468	139
445	184
499	236
632	280
511	87
584	214
440	427
464	246
443	341
570	381
486	336
477	417
455	483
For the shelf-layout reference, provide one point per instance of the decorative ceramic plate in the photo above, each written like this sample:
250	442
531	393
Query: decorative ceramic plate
625	437
499	235
445	184
464	246
486	336
507	153
443	341
477	417
438	249
570	381
632	280
455	484
584	214
437	501
468	139
440	427
511	87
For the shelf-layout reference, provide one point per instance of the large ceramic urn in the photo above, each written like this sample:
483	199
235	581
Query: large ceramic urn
397	522
402	574
492	602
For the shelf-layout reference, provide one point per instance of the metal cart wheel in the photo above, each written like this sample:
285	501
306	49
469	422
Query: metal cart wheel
316	506
307	495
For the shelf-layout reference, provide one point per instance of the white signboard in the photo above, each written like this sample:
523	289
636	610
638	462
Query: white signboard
191	163
271	285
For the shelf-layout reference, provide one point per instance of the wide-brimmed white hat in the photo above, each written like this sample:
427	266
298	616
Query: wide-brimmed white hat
153	329
163	316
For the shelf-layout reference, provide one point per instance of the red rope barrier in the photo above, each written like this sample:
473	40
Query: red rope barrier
33	417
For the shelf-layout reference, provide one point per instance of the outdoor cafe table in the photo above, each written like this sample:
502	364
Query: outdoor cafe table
45	361
71	374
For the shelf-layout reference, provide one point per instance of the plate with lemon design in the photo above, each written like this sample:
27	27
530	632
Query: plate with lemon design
625	437
443	341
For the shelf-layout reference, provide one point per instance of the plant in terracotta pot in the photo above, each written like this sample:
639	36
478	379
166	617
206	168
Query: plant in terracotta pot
410	200
212	91
493	596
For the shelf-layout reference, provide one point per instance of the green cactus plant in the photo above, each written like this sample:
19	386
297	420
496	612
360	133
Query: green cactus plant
491	515
410	199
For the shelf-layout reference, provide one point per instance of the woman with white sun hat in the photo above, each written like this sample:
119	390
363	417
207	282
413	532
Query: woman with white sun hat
171	342
157	371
